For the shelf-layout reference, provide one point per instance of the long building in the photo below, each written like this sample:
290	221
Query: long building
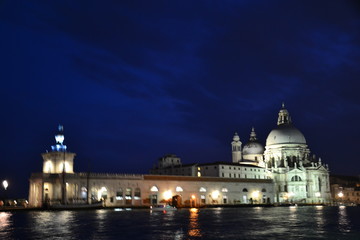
283	171
59	184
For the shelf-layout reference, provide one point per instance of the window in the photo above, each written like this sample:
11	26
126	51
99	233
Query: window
222	174
154	189
178	189
202	189
229	174
263	190
119	194
245	190
202	198
137	194
296	178
224	190
128	193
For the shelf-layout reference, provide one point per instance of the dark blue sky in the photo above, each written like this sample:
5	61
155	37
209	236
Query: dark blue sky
131	81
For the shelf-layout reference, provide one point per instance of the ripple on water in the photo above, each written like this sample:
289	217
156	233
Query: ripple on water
220	223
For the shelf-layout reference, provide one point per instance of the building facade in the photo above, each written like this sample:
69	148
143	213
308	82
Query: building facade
58	184
298	176
283	171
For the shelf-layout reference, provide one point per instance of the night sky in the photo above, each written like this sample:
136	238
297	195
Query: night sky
134	80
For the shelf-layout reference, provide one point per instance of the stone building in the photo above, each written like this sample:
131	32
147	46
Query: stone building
59	184
298	176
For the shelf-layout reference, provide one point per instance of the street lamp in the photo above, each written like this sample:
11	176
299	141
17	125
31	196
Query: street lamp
5	184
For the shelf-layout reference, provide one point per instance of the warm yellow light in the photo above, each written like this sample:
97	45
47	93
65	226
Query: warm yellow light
193	197
167	194
255	194
291	194
194	210
5	184
215	194
154	189
317	194
101	191
340	194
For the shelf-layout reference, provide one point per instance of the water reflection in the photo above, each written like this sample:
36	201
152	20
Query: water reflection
344	222
5	224
100	220
320	219
47	223
194	227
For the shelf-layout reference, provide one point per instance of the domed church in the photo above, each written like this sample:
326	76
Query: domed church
299	177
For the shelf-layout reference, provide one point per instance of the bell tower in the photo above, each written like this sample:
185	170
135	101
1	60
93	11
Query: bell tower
236	148
284	116
58	160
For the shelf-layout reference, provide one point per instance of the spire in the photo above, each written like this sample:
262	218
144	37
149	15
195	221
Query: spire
236	137
59	138
253	135
284	116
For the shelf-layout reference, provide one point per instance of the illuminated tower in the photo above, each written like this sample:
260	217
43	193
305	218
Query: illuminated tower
58	160
236	149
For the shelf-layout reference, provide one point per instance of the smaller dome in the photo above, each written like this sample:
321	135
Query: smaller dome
253	148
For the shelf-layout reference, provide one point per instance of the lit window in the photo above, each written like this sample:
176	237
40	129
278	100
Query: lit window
179	189
137	194
128	193
154	189
202	189
224	190
119	194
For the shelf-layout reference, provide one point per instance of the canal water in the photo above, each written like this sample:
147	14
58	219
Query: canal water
308	222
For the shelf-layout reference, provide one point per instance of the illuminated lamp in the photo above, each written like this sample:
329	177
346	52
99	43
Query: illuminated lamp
215	194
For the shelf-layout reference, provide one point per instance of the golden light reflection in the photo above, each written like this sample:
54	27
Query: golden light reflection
4	220
194	228
344	222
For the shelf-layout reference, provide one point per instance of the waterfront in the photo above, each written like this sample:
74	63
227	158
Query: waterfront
308	222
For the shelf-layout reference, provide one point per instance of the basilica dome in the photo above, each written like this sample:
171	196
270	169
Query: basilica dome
285	133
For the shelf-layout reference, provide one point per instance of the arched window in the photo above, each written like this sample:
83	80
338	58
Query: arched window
119	194
128	193
202	189
224	190
245	190
296	178
178	189
154	189
137	194
263	190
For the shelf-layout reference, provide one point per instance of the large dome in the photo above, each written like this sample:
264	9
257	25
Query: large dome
285	133
253	148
